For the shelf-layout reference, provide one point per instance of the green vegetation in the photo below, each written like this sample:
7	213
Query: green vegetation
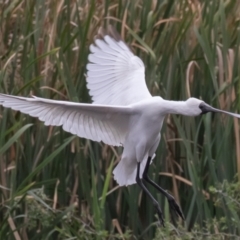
57	186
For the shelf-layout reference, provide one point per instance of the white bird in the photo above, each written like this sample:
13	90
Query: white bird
123	112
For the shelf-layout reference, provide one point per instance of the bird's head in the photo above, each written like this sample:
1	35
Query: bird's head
193	105
198	107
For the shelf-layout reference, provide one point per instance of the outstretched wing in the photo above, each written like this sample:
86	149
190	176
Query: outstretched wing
96	122
115	75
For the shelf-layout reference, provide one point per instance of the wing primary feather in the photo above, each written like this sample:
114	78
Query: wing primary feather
104	132
80	129
94	130
71	121
87	119
65	124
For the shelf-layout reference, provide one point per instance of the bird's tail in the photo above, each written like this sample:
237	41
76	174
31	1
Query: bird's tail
126	170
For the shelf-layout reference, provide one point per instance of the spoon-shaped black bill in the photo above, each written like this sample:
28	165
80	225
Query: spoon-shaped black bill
207	108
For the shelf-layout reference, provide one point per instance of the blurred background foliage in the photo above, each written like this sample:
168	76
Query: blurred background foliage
57	186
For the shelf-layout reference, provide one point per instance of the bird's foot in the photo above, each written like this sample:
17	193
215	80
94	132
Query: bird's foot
160	215
175	207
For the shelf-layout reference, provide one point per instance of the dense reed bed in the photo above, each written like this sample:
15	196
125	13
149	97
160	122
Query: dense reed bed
57	186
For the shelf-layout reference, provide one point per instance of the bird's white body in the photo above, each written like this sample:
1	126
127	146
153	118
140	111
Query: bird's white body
123	112
141	141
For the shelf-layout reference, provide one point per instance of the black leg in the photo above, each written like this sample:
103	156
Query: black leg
173	205
155	203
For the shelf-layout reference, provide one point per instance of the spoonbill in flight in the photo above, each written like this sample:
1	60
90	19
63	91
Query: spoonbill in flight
123	112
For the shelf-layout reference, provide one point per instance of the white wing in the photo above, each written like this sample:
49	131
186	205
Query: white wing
96	122
115	76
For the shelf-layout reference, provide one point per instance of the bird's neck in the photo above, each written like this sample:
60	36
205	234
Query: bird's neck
177	107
